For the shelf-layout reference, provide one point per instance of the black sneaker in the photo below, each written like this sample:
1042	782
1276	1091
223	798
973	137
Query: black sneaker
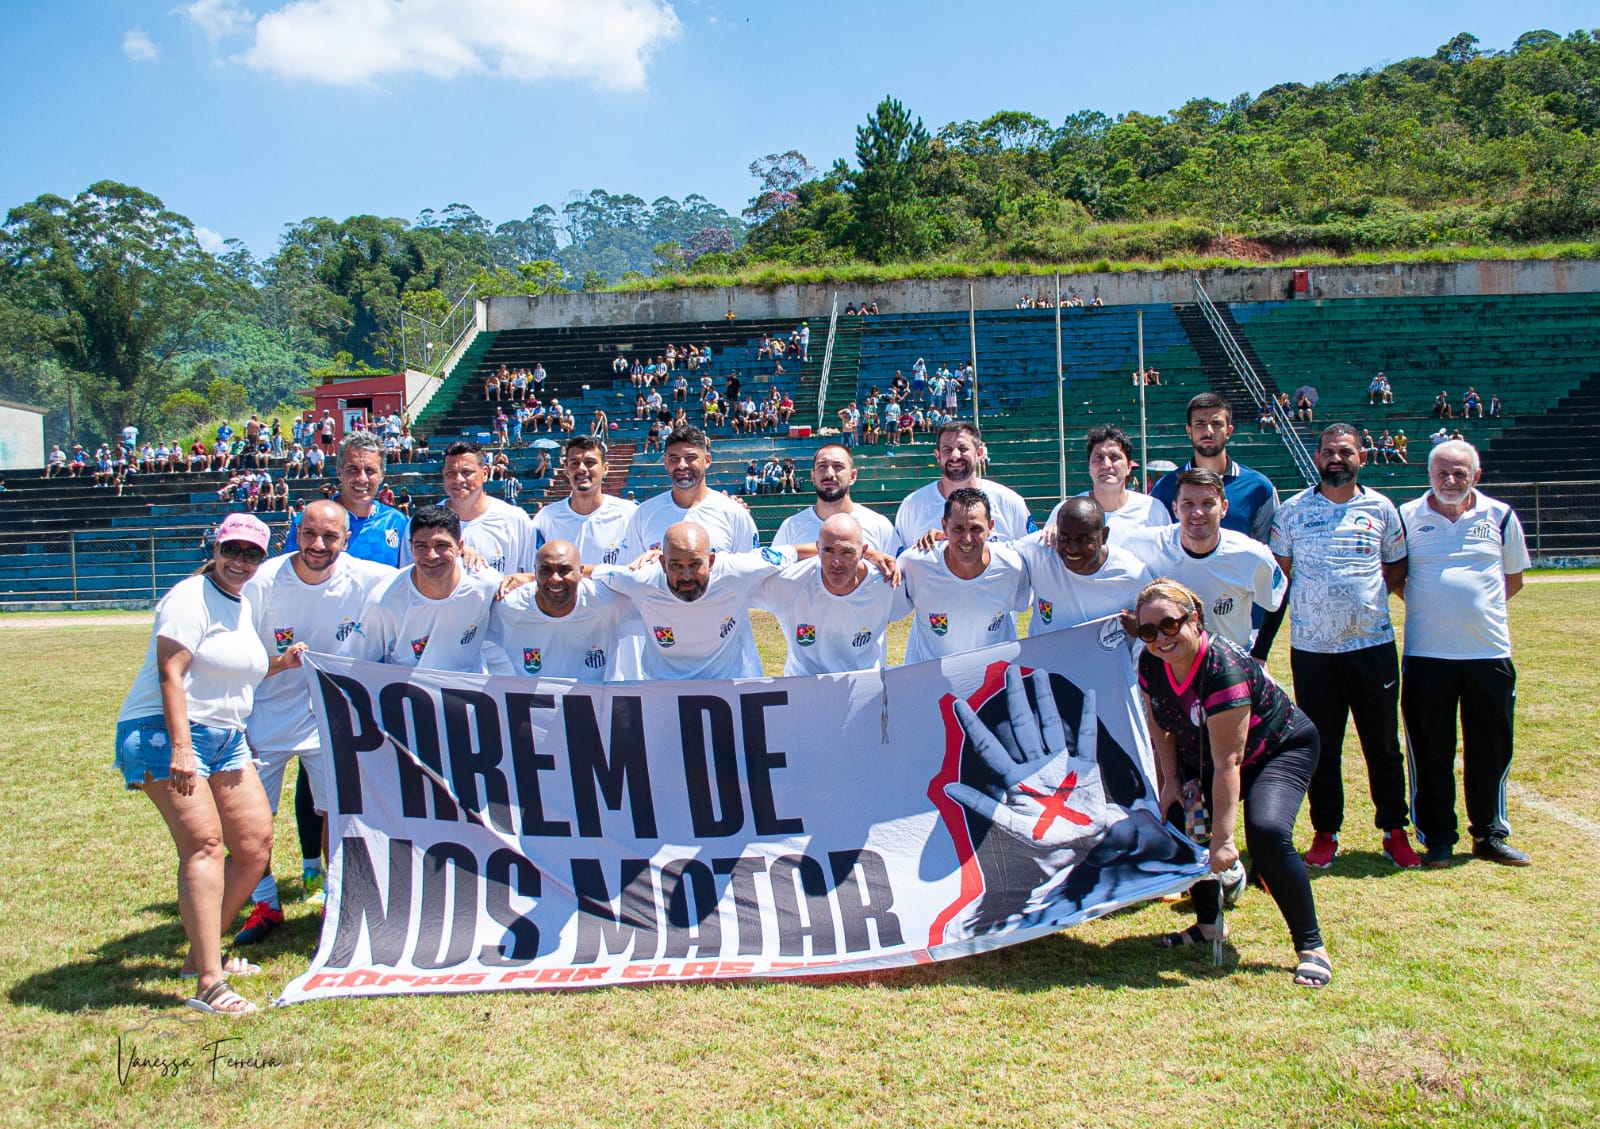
1494	848
1437	858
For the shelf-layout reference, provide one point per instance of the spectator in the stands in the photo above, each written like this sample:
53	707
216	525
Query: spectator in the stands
752	477
1265	421
1369	446
1441	406
1494	406
56	465
1303	407
1379	391
1471	402
1400	442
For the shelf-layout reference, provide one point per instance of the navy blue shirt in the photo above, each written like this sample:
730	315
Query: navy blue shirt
1252	499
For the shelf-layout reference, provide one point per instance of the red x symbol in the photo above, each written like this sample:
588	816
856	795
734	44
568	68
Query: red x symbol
1054	806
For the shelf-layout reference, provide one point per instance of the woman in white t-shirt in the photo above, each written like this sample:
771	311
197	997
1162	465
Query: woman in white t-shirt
180	740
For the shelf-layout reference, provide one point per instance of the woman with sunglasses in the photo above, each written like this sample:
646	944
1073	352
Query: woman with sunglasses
1225	735
180	740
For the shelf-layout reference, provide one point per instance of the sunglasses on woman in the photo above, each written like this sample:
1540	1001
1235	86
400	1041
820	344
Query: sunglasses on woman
1169	626
242	551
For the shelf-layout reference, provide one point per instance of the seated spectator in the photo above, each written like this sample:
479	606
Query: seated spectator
56	465
403	502
1494	407
315	460
1303	408
541	465
771	475
1439	436
752	477
850	309
785	409
1369	445
1386	446
1400	442
1441	406
619	365
652	438
1265	421
1470	403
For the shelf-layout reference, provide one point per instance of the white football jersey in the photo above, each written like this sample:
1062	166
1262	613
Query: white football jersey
1240	573
502	535
923	510
402	626
1063	599
826	633
951	615
581	645
805	527
1138	512
599	536
730	525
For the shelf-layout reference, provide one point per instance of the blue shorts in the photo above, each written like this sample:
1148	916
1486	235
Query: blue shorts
143	747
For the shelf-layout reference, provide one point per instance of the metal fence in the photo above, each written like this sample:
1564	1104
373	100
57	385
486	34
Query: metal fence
110	568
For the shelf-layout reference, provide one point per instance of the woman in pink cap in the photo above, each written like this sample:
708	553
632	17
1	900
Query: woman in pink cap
180	740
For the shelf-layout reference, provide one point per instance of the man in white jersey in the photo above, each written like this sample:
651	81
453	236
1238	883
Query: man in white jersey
310	599
834	611
562	626
963	593
1230	571
594	521
433	613
833	473
1466	557
958	449
696	604
1344	548
1110	457
499	534
1082	577
687	458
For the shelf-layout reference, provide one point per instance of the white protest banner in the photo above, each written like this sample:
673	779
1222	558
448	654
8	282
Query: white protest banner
512	833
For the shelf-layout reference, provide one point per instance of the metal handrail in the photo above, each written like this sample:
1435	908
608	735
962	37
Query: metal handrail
434	352
827	361
1252	382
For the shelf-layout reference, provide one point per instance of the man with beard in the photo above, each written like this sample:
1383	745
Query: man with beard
1345	548
562	626
834	612
1467	557
497	534
1231	572
727	523
695	603
376	530
833	473
966	591
308	599
1082	577
958	449
1252	499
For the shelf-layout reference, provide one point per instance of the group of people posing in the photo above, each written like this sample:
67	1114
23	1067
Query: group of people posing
597	588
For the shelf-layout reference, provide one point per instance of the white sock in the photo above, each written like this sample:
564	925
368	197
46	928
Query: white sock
267	891
307	866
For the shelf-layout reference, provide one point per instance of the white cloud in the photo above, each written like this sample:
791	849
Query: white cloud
355	42
139	47
208	239
218	19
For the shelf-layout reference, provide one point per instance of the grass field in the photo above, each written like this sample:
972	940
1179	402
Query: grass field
1462	997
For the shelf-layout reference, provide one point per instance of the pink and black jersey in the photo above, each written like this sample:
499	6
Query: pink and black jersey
1223	678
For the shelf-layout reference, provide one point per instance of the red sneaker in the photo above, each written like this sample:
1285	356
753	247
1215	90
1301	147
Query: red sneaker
1398	848
263	919
1324	845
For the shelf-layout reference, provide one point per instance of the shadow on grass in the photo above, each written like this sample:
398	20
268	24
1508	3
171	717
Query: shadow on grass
140	969
1361	865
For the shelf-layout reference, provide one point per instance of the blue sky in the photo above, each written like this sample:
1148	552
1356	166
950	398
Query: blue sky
245	115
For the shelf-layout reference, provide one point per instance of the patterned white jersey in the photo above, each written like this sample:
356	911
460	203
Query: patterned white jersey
730	525
923	509
1338	601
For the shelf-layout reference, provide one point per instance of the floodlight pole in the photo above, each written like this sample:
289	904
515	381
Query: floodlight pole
1061	397
1144	433
972	338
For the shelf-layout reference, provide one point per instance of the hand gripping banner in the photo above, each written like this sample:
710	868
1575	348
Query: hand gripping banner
512	833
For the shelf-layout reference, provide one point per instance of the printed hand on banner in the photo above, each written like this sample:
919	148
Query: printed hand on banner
1046	793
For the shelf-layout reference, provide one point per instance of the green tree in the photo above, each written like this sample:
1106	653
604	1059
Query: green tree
116	287
891	212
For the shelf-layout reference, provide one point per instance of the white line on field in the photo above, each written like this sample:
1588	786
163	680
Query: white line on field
1532	799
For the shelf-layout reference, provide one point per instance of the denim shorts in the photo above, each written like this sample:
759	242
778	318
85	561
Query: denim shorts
143	747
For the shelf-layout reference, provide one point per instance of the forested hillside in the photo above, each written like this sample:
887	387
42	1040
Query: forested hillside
110	307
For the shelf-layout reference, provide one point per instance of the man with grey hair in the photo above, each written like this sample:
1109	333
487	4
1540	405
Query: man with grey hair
376	530
1344	547
1466	556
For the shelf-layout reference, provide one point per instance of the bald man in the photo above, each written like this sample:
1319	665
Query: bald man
561	626
695	604
1082	577
310	599
834	611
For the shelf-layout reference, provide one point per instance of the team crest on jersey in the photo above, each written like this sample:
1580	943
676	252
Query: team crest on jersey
805	634
1483	530
612	554
391	538
469	634
1223	606
283	637
594	658
726	627
346	629
862	637
999	618
1047	610
419	645
532	660
938	622
1111	634
664	636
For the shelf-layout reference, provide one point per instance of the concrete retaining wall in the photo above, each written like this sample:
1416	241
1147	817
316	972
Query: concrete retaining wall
1395	280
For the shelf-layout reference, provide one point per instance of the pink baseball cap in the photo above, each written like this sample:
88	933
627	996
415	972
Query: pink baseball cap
244	527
